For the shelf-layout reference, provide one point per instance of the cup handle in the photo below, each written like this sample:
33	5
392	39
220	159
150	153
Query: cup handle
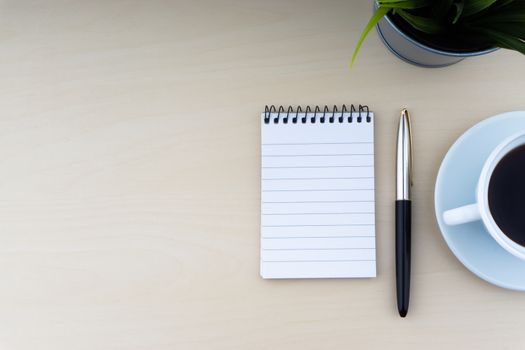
462	215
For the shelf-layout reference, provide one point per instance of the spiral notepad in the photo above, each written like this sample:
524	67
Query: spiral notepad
317	193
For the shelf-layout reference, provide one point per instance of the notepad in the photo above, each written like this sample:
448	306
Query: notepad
317	193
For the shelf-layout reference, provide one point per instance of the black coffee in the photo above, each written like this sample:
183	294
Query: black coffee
507	195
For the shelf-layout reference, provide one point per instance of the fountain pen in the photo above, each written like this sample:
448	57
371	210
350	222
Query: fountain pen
403	212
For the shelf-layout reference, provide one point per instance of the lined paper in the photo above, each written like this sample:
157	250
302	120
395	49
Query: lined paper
317	199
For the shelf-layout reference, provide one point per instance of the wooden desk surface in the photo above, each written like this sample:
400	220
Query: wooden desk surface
129	182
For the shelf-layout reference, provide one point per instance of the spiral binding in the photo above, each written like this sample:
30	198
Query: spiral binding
280	115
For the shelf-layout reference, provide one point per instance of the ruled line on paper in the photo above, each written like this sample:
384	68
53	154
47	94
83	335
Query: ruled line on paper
313	237
319	155
332	225
279	249
358	201
323	190
330	213
310	261
318	178
316	143
317	167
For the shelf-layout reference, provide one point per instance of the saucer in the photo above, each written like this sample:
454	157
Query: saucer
456	186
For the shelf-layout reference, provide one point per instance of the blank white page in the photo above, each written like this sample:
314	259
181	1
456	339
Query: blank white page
317	197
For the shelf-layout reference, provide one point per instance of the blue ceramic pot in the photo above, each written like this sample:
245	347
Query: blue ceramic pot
412	51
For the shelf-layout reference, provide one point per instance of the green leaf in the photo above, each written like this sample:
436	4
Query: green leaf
473	7
424	24
514	28
380	13
502	3
405	4
502	18
505	40
511	12
459	6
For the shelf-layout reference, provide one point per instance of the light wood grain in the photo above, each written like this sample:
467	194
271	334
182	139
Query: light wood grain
129	182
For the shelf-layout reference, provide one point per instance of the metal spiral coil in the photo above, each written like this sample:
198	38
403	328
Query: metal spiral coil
280	115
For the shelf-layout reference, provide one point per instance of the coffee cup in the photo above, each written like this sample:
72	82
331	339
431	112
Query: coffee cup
500	197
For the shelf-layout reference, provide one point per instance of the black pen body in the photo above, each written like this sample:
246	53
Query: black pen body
403	250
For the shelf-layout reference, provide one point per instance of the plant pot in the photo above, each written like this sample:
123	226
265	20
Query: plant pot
410	49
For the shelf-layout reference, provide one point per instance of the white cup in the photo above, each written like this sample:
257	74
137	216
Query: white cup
480	210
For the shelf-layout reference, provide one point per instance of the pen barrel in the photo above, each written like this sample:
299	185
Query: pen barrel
403	250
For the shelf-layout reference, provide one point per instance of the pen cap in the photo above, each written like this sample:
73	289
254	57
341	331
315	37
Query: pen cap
404	157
